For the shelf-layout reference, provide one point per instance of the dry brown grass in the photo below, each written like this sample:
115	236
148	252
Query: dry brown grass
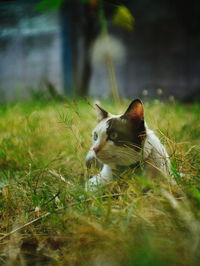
48	219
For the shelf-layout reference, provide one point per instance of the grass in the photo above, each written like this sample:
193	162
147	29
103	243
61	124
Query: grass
132	221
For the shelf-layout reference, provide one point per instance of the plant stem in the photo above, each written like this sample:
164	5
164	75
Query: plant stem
113	80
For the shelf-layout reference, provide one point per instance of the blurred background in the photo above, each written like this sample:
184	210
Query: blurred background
141	48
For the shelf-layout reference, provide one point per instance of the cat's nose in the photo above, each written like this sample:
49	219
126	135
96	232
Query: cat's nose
96	149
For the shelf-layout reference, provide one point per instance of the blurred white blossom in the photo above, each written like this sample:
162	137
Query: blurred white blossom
106	46
156	101
145	92
159	91
171	98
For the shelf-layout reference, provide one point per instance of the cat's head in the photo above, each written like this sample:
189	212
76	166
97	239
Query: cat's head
118	139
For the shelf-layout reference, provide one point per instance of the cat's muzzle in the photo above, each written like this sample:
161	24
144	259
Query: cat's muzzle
91	159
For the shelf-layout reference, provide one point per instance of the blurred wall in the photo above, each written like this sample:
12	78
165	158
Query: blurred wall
163	51
30	50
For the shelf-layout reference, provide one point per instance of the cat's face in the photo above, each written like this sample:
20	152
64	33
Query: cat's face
118	139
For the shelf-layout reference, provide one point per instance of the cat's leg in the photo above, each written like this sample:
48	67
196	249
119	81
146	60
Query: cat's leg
104	176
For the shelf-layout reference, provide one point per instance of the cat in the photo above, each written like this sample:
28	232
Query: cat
125	141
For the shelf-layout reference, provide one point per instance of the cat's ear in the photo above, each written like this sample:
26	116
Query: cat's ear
135	111
101	113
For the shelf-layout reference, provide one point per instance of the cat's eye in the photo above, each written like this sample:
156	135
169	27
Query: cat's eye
113	135
95	137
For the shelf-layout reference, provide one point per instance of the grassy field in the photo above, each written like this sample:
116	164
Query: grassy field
48	219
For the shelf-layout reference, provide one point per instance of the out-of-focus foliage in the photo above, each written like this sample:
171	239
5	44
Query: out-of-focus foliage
124	18
45	5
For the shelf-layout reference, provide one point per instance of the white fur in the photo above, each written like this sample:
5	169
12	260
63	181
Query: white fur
104	176
153	149
153	153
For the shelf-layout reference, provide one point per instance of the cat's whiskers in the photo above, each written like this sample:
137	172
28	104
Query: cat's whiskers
127	140
130	145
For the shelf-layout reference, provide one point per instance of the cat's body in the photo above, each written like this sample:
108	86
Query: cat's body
125	140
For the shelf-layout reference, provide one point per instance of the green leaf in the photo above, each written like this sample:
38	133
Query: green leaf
46	5
123	18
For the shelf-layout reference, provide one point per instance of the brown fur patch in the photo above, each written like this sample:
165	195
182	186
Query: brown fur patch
129	133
